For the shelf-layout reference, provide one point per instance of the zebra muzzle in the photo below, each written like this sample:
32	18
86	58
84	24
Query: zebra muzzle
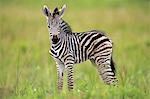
55	39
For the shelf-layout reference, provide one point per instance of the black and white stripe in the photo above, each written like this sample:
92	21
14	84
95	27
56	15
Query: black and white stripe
73	48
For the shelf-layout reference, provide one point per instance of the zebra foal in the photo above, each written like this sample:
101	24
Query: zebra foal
69	48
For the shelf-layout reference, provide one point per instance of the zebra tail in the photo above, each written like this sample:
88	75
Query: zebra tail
112	64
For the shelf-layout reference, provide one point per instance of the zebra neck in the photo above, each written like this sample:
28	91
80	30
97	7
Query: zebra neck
65	28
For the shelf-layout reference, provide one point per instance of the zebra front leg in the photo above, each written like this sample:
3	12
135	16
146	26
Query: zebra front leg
60	71
70	77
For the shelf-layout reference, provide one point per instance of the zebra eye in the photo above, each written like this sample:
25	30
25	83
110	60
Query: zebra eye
48	26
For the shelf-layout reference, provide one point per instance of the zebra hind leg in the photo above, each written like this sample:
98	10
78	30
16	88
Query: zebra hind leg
107	72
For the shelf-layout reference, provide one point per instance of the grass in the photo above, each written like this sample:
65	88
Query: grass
27	71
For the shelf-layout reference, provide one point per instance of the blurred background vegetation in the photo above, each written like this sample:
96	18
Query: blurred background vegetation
27	71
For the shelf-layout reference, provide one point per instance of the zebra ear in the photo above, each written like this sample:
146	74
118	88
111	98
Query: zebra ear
61	13
46	11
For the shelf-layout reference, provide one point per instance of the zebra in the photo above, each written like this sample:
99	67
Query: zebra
69	48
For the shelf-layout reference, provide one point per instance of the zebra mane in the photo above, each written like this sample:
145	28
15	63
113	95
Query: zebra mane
56	12
66	27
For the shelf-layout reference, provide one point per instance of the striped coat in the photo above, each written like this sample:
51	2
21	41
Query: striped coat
69	48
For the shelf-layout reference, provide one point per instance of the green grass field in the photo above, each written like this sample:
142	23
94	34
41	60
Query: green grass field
27	71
